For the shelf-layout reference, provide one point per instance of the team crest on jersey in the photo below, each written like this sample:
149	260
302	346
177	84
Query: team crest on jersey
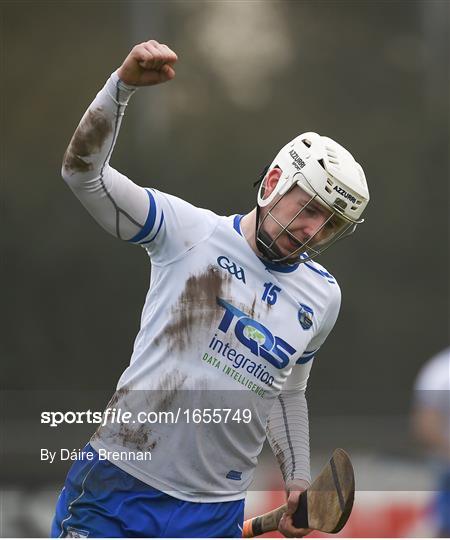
305	316
76	533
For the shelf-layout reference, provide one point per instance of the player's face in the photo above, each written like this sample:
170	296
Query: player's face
296	222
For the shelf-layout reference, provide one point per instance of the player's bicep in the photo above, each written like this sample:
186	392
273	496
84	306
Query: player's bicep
298	378
119	205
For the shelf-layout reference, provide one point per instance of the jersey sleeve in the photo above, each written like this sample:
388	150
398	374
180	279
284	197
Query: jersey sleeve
173	227
328	322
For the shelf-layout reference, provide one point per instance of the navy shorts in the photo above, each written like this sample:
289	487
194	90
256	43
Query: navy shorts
100	500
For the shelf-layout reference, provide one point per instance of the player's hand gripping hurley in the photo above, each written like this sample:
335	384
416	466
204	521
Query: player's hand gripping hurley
147	64
325	506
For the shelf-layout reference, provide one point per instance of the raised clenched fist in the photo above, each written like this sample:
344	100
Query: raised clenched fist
148	63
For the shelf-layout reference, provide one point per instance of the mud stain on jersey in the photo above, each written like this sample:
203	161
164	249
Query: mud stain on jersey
169	386
252	309
88	139
118	396
195	308
142	438
134	438
125	434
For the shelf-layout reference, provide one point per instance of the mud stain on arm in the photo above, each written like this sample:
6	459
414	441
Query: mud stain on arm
88	139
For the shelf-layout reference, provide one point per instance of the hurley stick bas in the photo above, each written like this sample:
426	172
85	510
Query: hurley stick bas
325	506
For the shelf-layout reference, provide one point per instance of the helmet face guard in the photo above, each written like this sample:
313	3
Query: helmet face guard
331	182
332	228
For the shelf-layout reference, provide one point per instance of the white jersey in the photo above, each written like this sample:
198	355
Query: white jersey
220	323
221	330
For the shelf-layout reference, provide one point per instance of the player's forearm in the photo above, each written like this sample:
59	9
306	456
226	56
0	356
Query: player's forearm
116	203
288	435
92	144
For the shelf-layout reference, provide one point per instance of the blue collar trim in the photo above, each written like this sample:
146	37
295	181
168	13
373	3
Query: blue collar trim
285	268
237	223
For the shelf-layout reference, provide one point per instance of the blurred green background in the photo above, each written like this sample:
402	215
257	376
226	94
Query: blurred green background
251	76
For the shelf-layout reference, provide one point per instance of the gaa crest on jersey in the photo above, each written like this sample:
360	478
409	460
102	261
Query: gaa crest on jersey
305	316
231	267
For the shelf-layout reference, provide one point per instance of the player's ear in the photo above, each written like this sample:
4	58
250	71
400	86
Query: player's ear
271	180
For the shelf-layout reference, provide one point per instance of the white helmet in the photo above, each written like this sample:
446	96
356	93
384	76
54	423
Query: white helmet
331	177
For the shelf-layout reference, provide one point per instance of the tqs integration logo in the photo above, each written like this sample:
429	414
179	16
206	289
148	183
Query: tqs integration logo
255	336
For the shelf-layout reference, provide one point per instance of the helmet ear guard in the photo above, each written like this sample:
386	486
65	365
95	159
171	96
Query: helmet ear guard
285	183
329	174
